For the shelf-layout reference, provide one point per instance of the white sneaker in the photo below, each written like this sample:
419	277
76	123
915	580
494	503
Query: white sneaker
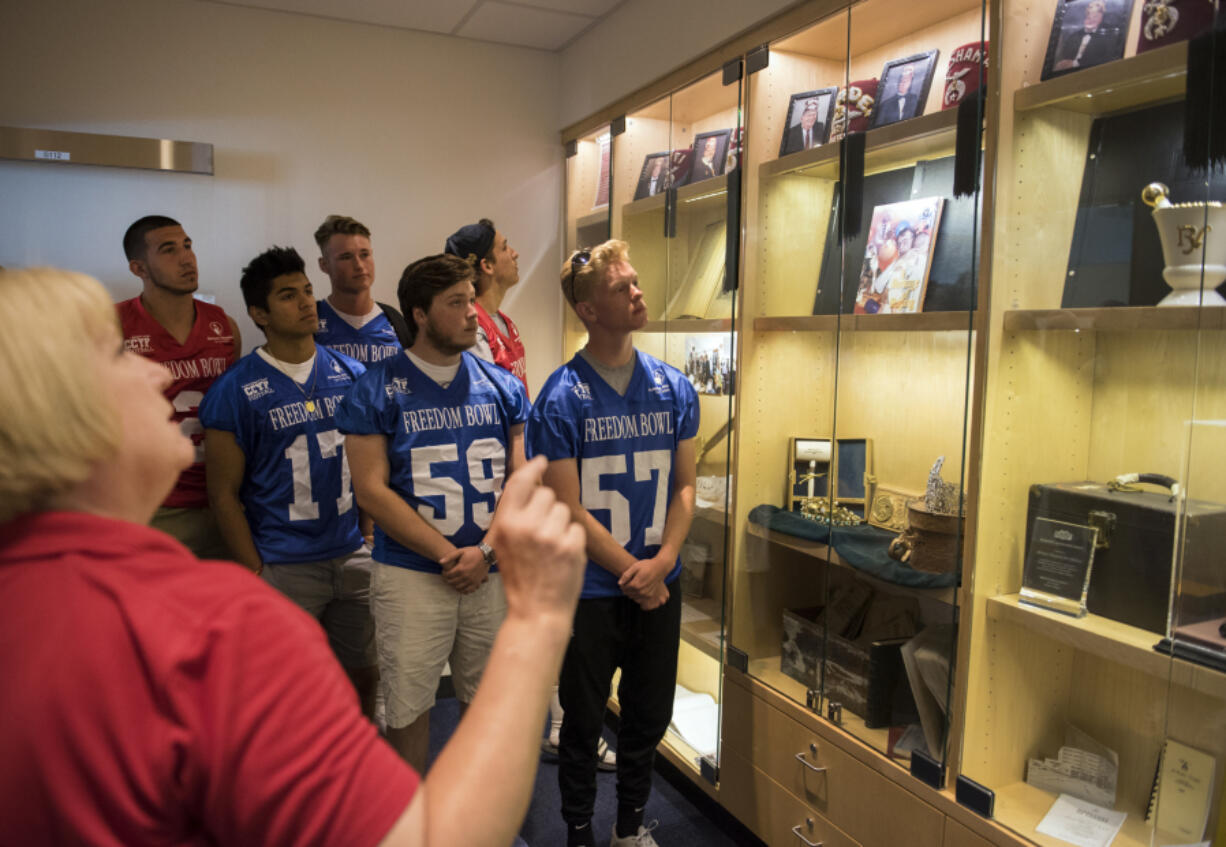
549	744
641	839
606	756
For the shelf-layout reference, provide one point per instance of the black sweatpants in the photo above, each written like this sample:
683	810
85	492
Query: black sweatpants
612	632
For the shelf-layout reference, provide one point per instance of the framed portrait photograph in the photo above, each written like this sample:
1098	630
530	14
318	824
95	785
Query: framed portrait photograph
903	89
653	178
808	123
1086	33
710	154
898	257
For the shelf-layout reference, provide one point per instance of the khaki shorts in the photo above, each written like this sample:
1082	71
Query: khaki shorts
336	592
195	529
421	624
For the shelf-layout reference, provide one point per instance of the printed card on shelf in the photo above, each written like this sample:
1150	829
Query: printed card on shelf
1081	823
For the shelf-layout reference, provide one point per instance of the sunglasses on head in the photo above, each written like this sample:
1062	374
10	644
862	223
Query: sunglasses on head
581	258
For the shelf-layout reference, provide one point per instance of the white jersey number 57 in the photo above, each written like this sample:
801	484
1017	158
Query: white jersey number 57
646	462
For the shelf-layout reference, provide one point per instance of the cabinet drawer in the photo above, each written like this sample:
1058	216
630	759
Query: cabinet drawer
770	810
956	835
857	799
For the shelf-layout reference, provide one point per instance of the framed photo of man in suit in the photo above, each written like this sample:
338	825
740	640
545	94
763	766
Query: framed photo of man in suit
710	154
1086	33
808	122
903	90
653	178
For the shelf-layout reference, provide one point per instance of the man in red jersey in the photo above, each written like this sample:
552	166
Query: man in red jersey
497	266
195	341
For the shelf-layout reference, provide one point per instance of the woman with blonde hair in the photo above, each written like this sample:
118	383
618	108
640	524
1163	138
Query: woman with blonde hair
150	698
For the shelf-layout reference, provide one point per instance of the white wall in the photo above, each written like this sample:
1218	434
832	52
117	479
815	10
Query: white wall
642	40
307	117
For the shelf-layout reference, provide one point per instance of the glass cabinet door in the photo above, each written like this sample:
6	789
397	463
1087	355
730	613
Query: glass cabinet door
674	164
860	291
1102	501
589	182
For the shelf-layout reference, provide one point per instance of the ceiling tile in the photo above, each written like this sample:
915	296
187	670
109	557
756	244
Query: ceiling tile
529	27
593	8
428	15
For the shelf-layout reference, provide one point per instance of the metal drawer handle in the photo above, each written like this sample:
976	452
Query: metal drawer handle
799	758
797	832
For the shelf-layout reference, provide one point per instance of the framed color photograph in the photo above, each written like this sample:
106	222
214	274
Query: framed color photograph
808	122
710	154
653	178
709	363
903	89
898	257
1086	33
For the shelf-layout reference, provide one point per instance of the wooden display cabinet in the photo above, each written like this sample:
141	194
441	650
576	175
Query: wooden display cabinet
903	380
1009	386
1079	394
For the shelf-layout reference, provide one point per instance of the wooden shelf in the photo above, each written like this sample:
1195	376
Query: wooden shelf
1141	80
926	136
699	195
689	325
1020	806
702	625
918	322
1117	319
1117	642
823	553
596	218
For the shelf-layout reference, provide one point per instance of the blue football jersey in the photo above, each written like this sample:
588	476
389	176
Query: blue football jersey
624	446
296	490
447	447
374	342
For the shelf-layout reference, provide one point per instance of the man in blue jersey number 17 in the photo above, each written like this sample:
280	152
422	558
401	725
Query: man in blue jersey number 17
431	434
618	428
277	476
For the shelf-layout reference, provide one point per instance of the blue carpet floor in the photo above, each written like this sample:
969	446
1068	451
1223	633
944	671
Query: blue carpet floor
688	818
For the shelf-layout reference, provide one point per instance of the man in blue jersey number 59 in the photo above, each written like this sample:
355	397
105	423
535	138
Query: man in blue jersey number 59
277	477
431	435
618	427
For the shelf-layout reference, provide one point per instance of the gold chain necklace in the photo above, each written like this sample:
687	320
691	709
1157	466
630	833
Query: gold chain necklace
310	402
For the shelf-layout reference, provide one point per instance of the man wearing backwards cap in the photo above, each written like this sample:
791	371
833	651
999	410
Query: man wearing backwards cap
497	267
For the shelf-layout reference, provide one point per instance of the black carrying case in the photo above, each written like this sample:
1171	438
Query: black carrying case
1131	577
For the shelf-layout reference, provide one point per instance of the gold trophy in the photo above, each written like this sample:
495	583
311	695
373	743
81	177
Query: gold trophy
1192	253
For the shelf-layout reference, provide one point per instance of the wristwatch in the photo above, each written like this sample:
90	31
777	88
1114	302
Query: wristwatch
488	552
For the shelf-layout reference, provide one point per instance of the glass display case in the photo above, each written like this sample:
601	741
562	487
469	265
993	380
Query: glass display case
973	487
589	182
857	350
1096	666
674	199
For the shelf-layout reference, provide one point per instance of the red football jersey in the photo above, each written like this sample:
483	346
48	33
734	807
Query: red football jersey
194	366
508	350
